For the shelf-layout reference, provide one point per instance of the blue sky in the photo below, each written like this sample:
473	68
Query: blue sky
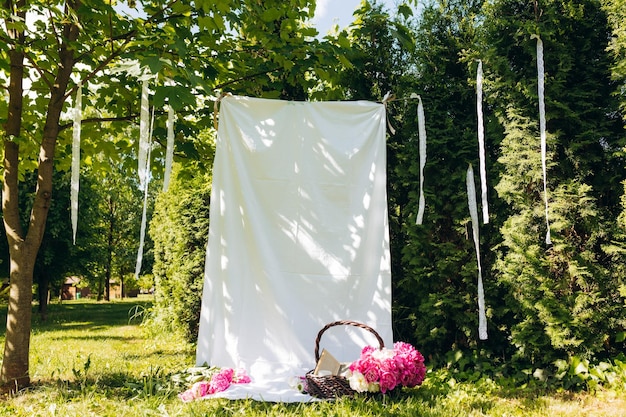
329	12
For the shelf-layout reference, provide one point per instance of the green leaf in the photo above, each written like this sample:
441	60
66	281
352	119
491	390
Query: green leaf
269	15
154	63
344	61
405	10
206	23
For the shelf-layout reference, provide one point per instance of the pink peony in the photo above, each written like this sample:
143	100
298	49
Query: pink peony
371	373
367	350
387	381
241	377
385	369
197	390
219	382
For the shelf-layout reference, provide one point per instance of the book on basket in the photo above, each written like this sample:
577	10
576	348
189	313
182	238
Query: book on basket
327	365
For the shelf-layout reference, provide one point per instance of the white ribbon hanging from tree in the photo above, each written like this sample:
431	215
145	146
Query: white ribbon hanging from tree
421	129
144	221
481	142
169	153
75	176
542	128
144	133
471	199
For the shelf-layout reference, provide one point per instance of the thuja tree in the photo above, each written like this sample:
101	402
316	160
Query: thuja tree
179	229
616	13
566	292
436	287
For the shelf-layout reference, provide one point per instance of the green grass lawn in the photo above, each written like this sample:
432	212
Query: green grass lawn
87	359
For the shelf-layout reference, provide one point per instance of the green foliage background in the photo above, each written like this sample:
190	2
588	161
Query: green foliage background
546	303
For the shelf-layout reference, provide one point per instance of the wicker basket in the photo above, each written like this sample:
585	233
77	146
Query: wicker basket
333	386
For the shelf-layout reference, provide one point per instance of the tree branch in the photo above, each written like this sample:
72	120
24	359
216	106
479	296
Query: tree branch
101	120
40	71
127	37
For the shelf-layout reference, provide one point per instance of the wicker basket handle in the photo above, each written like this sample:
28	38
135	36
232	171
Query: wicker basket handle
344	323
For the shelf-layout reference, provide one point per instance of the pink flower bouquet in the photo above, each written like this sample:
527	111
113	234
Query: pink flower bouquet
219	382
382	370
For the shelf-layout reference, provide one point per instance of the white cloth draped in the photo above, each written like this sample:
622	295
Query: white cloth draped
298	238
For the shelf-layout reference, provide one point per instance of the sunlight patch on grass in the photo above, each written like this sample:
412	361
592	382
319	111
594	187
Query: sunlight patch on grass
77	324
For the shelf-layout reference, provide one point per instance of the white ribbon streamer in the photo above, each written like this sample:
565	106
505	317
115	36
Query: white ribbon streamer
471	199
144	133
169	153
542	128
142	232
388	97
421	129
481	142
75	176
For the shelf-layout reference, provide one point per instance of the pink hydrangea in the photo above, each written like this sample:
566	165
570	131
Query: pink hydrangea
197	390
219	382
385	369
241	377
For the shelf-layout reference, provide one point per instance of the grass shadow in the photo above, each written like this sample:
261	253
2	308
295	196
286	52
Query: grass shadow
85	313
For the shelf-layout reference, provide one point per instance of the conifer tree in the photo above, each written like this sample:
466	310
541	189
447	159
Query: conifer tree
179	229
436	292
566	295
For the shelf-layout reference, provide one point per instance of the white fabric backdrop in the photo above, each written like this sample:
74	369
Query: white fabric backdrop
298	238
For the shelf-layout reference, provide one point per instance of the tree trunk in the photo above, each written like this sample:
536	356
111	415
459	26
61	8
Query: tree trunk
99	297
15	364
14	371
14	374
